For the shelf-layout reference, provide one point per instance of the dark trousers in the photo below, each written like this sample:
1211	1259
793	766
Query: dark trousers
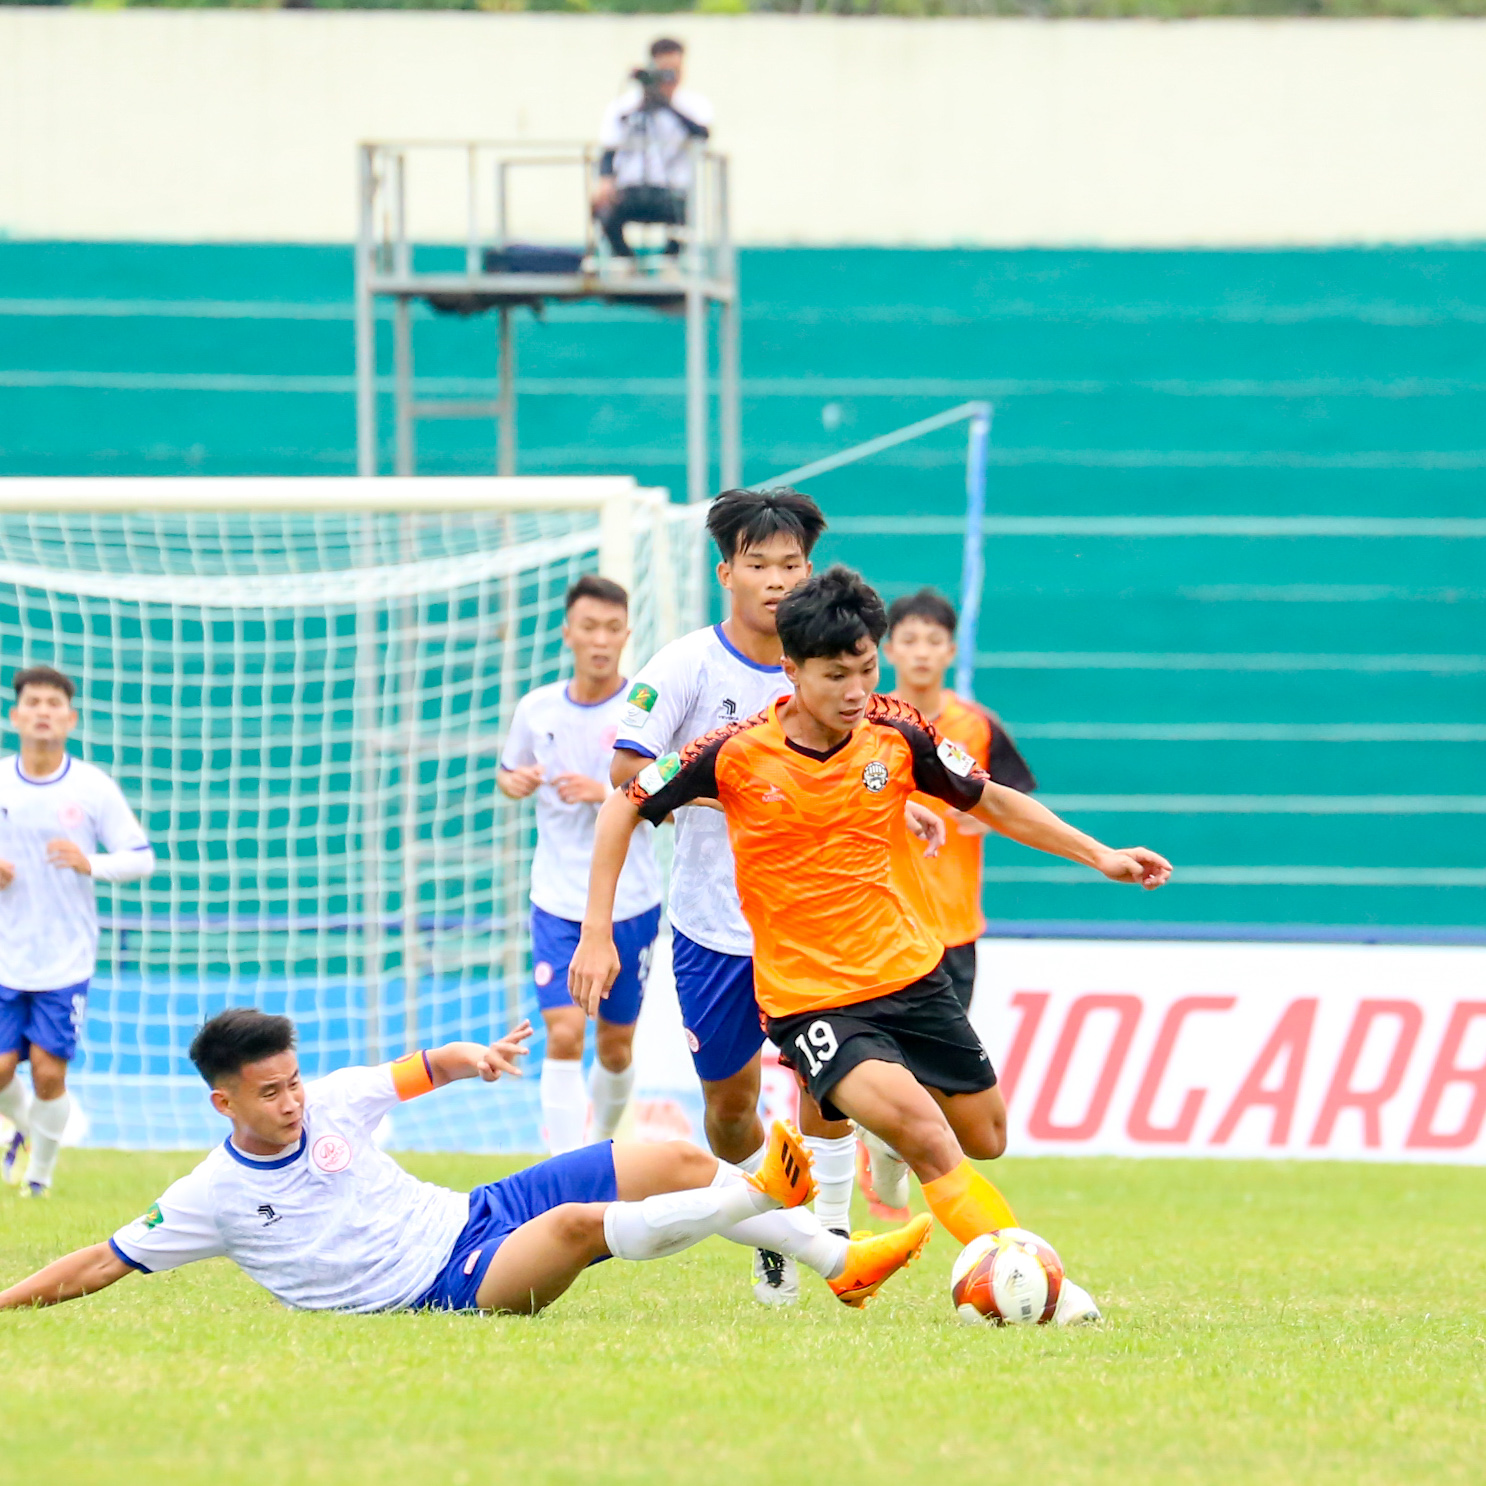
641	204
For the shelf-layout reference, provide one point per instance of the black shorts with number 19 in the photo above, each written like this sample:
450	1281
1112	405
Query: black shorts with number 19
923	1027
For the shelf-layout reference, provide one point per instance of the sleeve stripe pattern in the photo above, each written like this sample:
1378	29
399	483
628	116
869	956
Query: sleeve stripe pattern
412	1075
963	787
698	748
132	1263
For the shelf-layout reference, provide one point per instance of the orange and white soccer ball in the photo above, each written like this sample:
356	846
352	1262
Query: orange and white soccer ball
1007	1278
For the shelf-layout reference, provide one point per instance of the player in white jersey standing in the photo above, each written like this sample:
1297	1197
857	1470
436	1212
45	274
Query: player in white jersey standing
713	676
55	813
561	742
301	1199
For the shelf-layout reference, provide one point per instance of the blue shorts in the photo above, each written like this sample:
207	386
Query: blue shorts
498	1209
51	1020
723	1026
553	941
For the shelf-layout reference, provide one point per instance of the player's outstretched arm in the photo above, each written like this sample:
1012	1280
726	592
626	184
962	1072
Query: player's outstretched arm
595	962
79	1273
1020	817
456	1060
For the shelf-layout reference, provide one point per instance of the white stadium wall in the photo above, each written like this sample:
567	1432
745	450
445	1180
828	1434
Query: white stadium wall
240	125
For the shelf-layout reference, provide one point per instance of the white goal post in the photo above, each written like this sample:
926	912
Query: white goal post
302	686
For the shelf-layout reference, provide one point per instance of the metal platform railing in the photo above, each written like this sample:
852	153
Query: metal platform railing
700	282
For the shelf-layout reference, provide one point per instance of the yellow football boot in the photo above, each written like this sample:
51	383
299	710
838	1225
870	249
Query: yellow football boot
785	1174
874	1258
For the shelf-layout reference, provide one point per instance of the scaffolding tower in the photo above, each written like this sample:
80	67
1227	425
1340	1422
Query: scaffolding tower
700	280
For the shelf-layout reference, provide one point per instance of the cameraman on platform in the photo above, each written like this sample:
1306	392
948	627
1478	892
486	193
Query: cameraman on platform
645	171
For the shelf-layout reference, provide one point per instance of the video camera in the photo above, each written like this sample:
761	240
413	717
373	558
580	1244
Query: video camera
652	80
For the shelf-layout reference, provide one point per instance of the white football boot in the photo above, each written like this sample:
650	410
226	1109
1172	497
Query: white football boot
776	1279
1075	1306
889	1171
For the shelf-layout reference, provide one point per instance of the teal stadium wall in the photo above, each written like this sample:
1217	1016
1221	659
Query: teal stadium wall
1330	383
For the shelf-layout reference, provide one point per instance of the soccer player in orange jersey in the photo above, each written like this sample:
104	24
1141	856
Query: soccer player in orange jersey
920	646
847	975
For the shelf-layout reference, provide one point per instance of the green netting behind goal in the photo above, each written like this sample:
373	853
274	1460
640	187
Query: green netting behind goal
305	709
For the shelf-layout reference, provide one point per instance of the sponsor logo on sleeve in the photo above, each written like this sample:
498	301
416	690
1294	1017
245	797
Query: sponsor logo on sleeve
875	777
154	1217
639	704
654	777
955	759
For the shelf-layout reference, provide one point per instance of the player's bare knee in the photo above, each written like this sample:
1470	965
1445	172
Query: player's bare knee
579	1225
689	1165
50	1083
926	1142
564	1040
614	1046
730	1107
986	1144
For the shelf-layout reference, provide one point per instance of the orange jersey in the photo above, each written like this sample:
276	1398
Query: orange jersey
949	883
814	836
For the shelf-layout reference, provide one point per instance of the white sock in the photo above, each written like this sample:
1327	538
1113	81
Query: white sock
672	1221
794	1231
752	1163
48	1121
610	1093
835	1176
564	1103
15	1104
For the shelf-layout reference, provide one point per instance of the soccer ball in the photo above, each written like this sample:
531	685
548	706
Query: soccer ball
1008	1278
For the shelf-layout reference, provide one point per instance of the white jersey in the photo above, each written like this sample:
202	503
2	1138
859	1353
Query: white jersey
652	147
48	915
568	737
335	1224
689	687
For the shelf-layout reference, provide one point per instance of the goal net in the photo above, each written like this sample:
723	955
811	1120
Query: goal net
302	687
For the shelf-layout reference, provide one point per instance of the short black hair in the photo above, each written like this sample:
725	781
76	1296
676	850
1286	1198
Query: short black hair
236	1037
663	44
43	676
740	519
829	615
927	604
589	586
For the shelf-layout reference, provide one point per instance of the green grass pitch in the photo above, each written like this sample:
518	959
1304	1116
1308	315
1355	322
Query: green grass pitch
1265	1322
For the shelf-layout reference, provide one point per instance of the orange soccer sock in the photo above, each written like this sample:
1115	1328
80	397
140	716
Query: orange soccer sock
967	1204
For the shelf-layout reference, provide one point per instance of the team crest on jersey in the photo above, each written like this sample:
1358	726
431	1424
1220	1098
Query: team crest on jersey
955	759
639	704
71	814
654	777
875	777
331	1153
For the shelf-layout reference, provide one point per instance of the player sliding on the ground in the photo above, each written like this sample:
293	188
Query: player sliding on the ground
301	1199
559	749
714	675
56	812
850	980
920	645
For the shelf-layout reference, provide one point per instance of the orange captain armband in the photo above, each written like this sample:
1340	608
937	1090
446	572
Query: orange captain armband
412	1075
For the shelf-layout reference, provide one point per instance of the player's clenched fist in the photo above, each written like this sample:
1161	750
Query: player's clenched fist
592	970
7	873
1136	864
